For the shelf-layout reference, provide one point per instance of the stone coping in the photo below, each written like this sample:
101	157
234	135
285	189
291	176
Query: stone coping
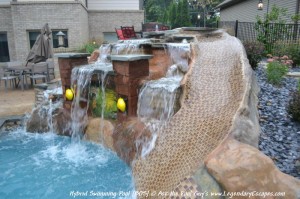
71	55
201	29
43	86
101	71
181	37
129	57
293	74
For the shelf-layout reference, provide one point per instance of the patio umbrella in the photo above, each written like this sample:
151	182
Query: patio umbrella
42	48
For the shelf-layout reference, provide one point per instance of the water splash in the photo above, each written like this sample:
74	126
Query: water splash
50	122
159	99
58	168
104	51
126	47
81	81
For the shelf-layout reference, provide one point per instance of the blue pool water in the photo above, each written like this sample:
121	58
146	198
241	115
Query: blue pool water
49	166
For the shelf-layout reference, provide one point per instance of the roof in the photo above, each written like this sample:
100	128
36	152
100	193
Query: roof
228	3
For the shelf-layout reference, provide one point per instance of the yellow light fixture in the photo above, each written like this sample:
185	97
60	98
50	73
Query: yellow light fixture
121	104
69	94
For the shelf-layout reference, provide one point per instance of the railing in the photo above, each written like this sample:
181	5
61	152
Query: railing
272	34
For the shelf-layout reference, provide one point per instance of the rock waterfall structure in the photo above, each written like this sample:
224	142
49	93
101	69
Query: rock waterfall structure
218	104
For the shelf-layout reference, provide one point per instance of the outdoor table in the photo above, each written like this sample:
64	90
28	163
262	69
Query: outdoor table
21	69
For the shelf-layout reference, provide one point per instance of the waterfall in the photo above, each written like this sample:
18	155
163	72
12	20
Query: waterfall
104	51
80	81
159	99
126	47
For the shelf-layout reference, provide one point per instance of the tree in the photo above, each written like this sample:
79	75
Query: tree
178	14
155	10
205	8
186	20
270	28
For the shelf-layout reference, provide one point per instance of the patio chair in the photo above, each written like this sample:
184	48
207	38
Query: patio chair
164	27
119	34
128	32
39	71
50	63
7	76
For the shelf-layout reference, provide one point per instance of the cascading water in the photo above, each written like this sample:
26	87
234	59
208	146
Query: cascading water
52	166
104	51
126	47
159	99
81	80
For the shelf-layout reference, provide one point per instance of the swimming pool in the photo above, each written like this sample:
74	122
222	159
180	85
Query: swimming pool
51	166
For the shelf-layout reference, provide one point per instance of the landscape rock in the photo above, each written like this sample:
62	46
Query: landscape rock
100	131
62	122
240	167
94	57
38	120
126	137
279	139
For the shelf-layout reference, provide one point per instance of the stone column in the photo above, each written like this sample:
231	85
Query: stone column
66	62
129	70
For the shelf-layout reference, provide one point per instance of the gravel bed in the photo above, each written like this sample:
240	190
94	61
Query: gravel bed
280	136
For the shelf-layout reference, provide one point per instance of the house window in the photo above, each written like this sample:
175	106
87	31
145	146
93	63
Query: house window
32	37
4	54
34	34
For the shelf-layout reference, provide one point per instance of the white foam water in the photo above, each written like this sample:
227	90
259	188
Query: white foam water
36	167
159	99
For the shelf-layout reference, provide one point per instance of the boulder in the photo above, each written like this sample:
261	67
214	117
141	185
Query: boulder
100	131
94	57
239	167
38	120
128	138
62	122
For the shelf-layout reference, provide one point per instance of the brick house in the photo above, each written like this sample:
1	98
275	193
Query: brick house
246	10
80	20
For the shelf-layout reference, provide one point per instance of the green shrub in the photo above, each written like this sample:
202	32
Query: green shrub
90	47
294	106
281	48
255	51
294	54
275	72
96	103
298	87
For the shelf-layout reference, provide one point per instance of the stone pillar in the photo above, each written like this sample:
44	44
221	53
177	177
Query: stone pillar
129	70
66	62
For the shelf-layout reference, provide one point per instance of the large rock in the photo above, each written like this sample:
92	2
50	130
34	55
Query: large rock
38	120
128	138
100	131
62	122
239	167
94	57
